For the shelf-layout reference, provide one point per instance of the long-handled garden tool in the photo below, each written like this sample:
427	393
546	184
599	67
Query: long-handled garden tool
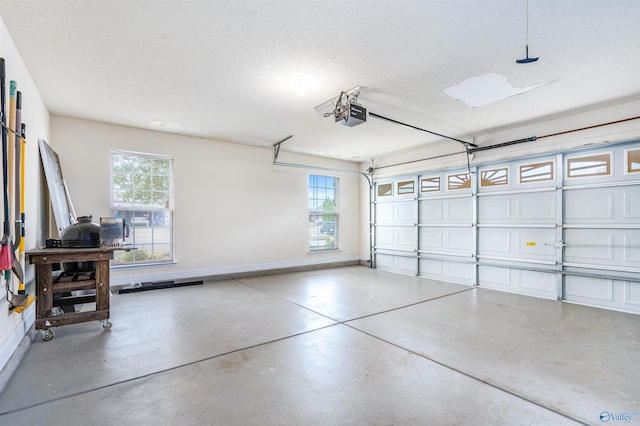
21	143
7	255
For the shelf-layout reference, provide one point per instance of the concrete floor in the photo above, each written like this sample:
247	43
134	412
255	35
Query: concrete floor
346	346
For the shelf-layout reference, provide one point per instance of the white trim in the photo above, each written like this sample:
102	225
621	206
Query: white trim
12	342
206	272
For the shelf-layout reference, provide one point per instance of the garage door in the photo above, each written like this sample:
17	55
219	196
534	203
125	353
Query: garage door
602	228
396	226
518	211
563	226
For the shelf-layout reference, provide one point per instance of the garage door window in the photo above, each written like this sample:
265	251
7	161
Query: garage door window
323	213
633	161
494	177
459	181
385	190
141	194
536	172
406	187
593	165
430	184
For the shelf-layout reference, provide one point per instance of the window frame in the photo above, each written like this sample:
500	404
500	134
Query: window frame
318	227
486	176
536	178
433	188
154	218
457	181
630	161
381	189
575	159
406	187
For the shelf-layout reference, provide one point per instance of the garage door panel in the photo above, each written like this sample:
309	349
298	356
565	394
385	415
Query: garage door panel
518	243
396	264
588	246
584	204
494	242
600	292
537	282
406	265
580	288
384	213
632	293
431	238
526	208
458	210
431	268
603	205
539	208
459	239
384	261
447	240
460	273
536	243
632	247
405	238
494	209
395	213
541	284
384	236
603	247
494	277
431	211
405	212
632	204
396	238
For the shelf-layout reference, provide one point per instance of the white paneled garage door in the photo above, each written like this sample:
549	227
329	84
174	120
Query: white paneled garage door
563	226
602	227
518	211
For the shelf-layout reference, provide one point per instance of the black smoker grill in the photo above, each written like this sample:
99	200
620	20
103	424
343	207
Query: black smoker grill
84	234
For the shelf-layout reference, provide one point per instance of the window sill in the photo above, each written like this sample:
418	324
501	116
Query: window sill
333	250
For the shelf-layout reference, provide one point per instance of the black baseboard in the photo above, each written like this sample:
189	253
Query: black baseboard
157	285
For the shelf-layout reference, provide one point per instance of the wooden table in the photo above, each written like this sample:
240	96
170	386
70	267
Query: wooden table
47	284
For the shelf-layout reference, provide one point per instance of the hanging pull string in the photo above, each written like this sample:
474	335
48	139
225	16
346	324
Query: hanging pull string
527	59
527	27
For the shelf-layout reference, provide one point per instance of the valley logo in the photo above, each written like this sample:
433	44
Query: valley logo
607	416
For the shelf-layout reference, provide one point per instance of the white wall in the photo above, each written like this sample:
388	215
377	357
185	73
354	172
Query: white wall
13	326
234	210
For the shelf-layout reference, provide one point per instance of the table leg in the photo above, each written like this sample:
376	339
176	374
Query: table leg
44	290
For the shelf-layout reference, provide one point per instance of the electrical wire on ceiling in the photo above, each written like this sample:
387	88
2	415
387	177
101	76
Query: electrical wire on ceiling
344	101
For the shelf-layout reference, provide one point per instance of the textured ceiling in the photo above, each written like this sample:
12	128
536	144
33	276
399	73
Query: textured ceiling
253	71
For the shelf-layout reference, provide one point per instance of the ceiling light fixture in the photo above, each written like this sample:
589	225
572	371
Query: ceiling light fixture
527	59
